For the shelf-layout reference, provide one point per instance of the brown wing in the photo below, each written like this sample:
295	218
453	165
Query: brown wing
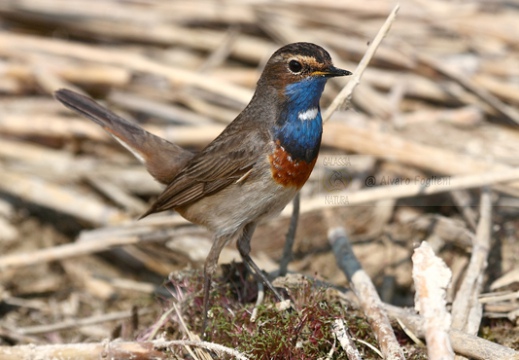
221	163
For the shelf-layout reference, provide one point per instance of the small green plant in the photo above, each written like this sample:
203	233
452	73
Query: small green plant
302	332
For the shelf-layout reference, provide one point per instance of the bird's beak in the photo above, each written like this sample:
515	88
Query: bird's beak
331	71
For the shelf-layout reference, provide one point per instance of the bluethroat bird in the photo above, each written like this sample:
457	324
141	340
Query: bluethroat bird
252	170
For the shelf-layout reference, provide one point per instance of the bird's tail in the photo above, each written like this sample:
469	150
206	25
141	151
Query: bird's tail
162	158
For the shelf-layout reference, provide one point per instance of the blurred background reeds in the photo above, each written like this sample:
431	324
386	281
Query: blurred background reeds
437	106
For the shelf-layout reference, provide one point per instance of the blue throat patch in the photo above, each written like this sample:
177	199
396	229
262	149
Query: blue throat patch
301	138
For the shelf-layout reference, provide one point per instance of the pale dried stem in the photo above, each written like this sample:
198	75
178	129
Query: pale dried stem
466	308
347	344
366	293
431	278
347	91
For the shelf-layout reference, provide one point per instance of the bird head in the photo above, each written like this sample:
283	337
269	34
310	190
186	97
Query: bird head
289	89
299	71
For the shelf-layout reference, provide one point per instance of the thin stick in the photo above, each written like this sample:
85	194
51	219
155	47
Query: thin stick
192	337
468	84
388	146
78	249
259	301
431	278
347	344
109	350
202	344
60	198
164	318
466	308
346	92
462	200
345	198
74	323
469	345
136	62
366	293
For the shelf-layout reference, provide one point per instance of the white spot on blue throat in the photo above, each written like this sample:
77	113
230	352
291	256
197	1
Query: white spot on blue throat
299	125
308	115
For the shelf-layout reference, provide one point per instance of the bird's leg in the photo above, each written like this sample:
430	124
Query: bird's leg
210	265
291	234
244	249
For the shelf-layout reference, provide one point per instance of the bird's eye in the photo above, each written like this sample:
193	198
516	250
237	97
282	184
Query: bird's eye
295	66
